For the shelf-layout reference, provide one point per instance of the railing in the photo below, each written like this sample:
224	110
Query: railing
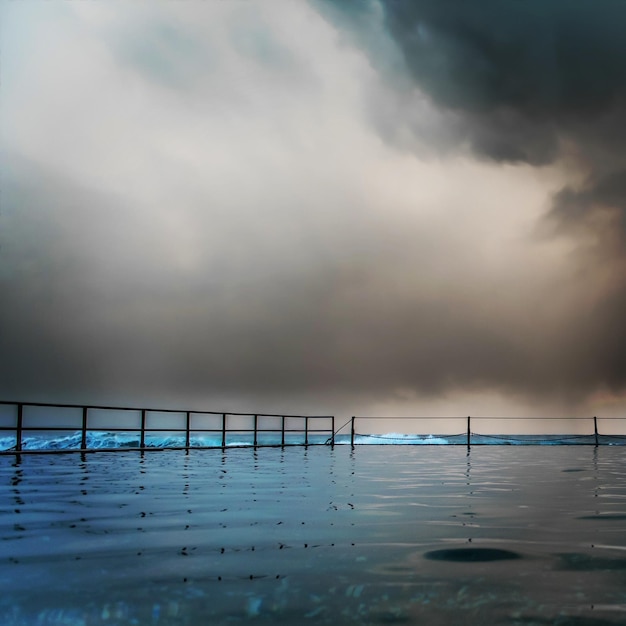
36	417
468	437
20	419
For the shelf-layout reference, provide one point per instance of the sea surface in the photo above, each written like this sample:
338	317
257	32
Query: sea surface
437	535
103	440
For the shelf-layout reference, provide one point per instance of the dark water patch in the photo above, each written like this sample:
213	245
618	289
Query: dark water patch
577	562
472	555
572	470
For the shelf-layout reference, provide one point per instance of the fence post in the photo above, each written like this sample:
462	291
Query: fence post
352	432
83	437
142	436
18	427
468	431
332	436
306	431
187	420
595	429
256	422
223	430
282	431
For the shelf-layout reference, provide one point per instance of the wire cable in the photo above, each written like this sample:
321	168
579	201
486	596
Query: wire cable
330	439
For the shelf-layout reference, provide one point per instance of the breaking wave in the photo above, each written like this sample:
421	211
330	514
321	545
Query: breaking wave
103	440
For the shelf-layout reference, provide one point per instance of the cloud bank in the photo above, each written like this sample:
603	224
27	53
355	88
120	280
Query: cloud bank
383	204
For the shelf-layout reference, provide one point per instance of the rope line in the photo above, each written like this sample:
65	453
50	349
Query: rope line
544	438
521	439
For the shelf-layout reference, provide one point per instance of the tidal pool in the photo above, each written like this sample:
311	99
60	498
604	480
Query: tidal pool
376	535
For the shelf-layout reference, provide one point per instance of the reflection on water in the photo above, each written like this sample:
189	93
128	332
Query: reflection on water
372	536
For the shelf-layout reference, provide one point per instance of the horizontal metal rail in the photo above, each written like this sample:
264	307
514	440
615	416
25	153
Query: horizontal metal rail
284	429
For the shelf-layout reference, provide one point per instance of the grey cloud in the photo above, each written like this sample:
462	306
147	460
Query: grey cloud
93	309
164	47
608	193
269	266
160	51
520	74
529	82
541	59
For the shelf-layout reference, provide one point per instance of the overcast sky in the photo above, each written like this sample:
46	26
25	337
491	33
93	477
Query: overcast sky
383	207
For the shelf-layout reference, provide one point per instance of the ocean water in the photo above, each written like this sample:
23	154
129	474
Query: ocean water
521	535
103	440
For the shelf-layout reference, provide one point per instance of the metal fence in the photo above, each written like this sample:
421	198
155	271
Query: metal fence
150	429
586	431
19	419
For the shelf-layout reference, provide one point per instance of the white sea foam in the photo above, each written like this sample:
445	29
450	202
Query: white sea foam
401	438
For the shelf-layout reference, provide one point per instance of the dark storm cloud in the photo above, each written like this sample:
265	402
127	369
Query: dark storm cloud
525	79
532	82
212	216
525	74
607	193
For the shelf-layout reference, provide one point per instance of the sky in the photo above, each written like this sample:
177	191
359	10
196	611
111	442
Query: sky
377	207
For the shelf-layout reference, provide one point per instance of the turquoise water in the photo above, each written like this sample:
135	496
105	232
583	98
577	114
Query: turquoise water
376	535
120	440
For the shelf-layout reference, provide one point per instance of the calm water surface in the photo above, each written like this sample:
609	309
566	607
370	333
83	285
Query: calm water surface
379	535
